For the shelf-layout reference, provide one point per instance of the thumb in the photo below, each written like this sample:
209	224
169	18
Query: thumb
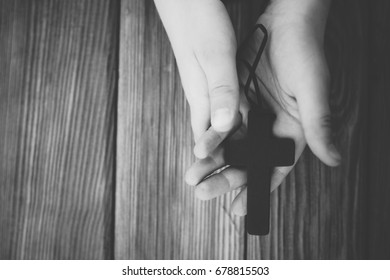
219	67
312	99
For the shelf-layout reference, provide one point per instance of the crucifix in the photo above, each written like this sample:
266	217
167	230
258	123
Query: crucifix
260	152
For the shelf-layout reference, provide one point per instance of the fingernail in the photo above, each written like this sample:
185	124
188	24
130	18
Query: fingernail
222	120
334	153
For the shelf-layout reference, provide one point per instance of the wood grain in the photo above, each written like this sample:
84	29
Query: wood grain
157	216
57	88
379	133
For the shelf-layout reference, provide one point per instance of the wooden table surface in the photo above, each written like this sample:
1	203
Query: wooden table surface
95	139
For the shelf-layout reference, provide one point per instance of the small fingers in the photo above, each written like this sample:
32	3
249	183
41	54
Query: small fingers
221	183
200	119
218	61
195	87
204	167
211	139
238	206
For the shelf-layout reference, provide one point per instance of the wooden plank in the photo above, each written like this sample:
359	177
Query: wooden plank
319	212
157	216
57	85
379	132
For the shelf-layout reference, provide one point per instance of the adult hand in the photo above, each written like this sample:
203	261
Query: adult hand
204	44
294	80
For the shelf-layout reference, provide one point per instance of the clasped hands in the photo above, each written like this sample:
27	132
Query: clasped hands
294	82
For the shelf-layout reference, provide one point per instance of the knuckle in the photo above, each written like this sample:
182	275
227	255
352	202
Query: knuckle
222	90
216	51
318	128
326	122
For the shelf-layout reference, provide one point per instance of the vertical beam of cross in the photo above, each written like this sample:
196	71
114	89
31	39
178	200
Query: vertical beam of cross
260	153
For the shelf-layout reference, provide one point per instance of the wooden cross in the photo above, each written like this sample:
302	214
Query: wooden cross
259	153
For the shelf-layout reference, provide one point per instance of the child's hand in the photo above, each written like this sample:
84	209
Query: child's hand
204	44
294	79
